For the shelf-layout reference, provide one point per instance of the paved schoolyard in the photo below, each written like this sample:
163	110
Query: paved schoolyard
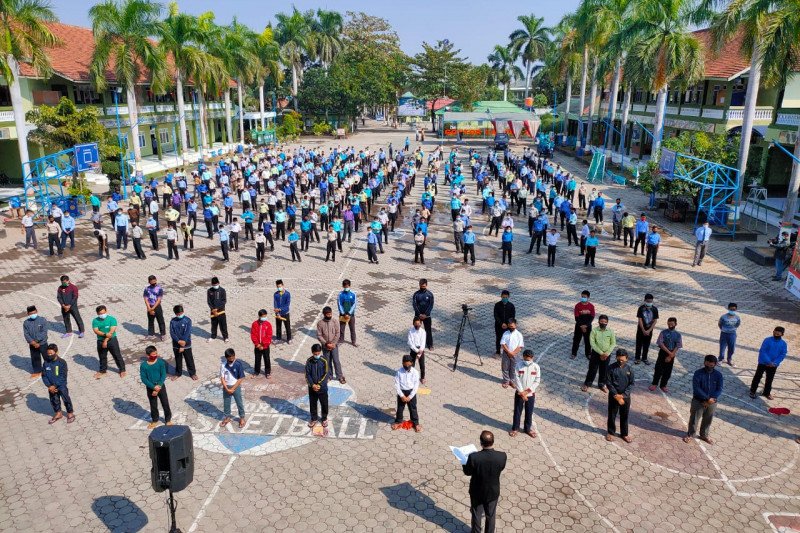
274	476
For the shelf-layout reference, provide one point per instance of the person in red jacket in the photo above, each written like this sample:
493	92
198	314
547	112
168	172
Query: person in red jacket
584	316
261	335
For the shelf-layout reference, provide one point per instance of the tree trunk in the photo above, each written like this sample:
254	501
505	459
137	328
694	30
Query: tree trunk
228	118
527	78
658	126
505	92
241	111
294	85
133	117
623	124
201	102
592	97
612	103
19	114
582	101
181	115
261	106
567	103
790	210
749	112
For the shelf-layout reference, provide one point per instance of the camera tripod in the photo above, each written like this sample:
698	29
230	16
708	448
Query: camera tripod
465	321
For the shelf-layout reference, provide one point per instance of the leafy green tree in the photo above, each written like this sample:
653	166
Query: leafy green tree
540	100
63	126
503	61
294	34
433	72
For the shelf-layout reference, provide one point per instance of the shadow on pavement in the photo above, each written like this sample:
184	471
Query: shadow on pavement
407	498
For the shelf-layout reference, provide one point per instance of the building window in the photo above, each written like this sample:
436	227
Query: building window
141	140
85	94
163	136
718	95
5	96
637	96
122	97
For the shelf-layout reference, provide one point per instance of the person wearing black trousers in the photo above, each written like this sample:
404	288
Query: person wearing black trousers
152	296
620	384
216	298
422	302
669	343
503	312
647	317
180	331
584	316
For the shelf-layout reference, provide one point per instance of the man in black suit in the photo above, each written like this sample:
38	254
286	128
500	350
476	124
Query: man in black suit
484	487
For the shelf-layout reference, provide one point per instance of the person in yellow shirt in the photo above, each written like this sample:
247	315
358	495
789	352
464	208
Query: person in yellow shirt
172	215
602	340
628	223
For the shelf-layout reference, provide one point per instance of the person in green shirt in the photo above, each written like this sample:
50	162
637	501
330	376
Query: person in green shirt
95	201
602	341
153	374
105	327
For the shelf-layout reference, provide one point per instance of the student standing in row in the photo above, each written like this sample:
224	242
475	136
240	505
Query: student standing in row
620	384
67	296
669	342
54	378
180	331
770	356
706	390
406	384
603	341
34	328
152	296
261	336
316	371
728	324
584	317
328	337
105	327
231	375
153	374
527	377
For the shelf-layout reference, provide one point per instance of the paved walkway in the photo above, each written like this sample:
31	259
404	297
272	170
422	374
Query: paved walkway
274	475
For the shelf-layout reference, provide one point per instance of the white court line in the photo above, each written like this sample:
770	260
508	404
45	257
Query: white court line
213	493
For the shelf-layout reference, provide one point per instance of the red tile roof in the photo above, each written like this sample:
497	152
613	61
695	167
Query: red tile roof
440	103
71	60
726	63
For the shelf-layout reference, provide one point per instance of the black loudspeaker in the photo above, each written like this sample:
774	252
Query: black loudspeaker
172	455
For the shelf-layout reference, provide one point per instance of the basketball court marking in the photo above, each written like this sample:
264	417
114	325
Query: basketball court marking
202	512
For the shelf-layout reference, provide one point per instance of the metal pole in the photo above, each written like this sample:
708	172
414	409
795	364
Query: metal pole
123	156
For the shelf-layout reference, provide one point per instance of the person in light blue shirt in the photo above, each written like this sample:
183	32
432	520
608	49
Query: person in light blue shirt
771	354
641	233
591	248
506	243
293	238
599	205
653	241
469	244
121	223
224	242
248	216
227	202
728	324
305	233
372	247
68	230
703	235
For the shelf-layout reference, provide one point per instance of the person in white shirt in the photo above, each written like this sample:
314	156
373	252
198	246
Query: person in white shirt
235	228
511	344
29	230
172	242
703	235
154	211
406	384
552	243
416	342
527	376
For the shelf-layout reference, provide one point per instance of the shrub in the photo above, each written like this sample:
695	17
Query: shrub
322	128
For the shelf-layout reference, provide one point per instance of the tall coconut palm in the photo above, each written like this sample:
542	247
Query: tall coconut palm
122	34
211	76
179	35
780	50
564	61
586	28
24	36
238	55
504	69
664	44
293	33
269	55
530	42
326	36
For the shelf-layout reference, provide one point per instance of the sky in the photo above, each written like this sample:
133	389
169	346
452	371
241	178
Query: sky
474	26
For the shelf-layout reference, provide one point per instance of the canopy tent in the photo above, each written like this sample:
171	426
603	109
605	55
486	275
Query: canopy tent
483	124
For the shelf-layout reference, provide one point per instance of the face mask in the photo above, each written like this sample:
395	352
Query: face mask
34	316
179	316
65	284
408	368
584	299
317	356
280	289
326	318
346	289
528	362
102	316
731	312
262	319
671	327
215	287
776	337
649	304
152	357
603	326
504	300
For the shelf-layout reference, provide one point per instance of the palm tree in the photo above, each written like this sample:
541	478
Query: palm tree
293	33
664	45
326	36
585	24
24	36
531	42
780	52
210	76
122	34
269	54
504	69
565	60
239	57
179	35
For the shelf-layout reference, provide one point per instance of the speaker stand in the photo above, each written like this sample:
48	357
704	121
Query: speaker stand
173	527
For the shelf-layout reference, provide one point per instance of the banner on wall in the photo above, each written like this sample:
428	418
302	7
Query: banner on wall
793	275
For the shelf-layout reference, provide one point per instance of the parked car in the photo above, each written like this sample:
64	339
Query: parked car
501	141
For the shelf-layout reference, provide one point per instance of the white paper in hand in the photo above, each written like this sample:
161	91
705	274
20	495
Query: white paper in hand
463	452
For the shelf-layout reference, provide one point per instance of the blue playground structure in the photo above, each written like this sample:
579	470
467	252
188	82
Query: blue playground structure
719	186
45	177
